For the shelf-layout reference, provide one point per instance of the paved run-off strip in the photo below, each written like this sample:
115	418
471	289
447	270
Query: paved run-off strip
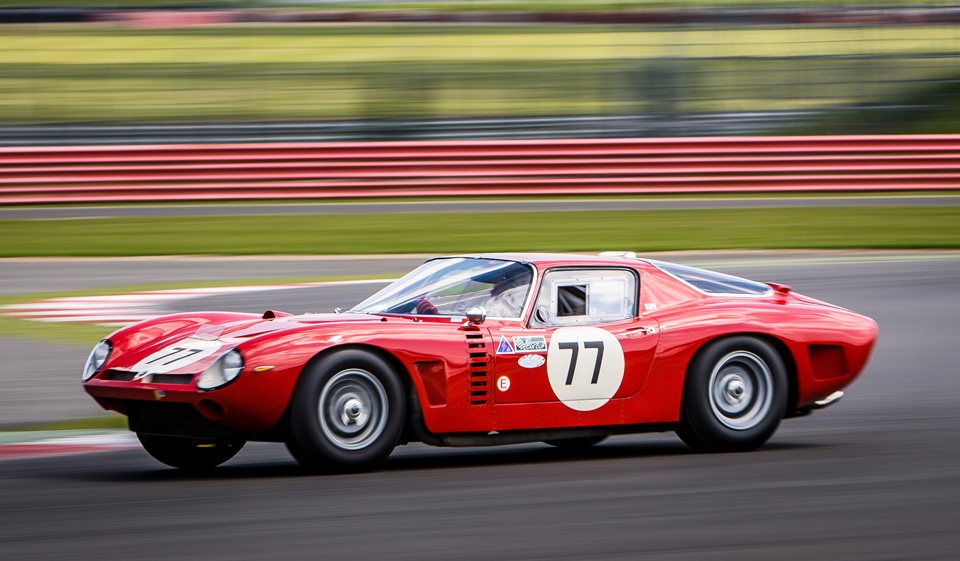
117	310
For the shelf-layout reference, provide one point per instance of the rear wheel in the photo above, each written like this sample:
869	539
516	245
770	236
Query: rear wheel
734	396
187	453
347	412
576	443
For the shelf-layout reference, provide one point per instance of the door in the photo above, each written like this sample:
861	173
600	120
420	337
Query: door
583	346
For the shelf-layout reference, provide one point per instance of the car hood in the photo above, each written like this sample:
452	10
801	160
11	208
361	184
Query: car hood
189	343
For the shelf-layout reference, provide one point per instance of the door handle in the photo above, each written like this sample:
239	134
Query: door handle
640	331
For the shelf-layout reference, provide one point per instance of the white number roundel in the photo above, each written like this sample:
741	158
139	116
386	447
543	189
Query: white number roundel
585	366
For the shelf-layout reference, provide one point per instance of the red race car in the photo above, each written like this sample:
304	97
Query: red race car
481	350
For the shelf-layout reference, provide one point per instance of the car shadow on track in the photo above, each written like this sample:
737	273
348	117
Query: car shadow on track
414	458
428	458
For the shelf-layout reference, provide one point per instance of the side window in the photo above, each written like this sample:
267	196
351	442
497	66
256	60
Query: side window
585	296
571	300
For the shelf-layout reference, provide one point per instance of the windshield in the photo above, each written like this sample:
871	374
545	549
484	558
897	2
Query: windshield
452	286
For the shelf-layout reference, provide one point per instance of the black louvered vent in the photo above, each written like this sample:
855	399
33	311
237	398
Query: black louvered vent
479	380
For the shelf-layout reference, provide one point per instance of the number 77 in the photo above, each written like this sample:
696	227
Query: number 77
575	353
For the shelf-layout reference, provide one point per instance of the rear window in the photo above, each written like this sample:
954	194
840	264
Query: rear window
712	282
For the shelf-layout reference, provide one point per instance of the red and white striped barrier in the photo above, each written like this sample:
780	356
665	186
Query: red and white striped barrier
91	174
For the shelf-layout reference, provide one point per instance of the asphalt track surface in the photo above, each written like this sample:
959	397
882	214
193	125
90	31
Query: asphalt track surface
873	478
504	205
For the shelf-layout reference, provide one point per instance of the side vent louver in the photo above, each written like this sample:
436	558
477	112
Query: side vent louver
477	348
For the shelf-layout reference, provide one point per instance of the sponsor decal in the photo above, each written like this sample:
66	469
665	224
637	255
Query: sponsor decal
649	306
504	348
531	343
531	361
503	383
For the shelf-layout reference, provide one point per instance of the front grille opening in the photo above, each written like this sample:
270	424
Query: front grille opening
127	376
172	378
117	375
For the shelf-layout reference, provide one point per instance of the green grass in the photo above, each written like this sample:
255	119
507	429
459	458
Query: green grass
574	197
111	421
71	45
788	228
454	6
86	335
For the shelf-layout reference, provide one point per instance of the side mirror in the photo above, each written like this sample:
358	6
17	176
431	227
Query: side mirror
475	316
541	314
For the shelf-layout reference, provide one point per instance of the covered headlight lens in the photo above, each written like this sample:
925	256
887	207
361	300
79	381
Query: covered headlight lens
98	357
221	372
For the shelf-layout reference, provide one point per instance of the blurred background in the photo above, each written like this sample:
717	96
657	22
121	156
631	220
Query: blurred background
872	225
475	69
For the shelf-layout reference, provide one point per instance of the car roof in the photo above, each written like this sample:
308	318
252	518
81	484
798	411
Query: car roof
547	259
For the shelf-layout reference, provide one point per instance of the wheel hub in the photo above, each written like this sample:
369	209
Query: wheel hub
734	390
741	390
353	413
352	409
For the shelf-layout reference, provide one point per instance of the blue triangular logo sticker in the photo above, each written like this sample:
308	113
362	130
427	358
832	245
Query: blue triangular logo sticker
505	347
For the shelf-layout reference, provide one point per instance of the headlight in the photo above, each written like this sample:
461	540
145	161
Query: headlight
97	359
222	372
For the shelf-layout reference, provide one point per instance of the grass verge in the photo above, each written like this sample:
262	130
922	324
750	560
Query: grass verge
510	198
111	421
933	227
451	6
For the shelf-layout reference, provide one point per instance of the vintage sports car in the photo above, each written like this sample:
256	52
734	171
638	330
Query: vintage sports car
480	350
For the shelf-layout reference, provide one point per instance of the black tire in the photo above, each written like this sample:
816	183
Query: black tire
576	443
734	396
189	454
297	453
347	412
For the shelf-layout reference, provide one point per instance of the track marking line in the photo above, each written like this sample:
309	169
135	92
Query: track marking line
59	443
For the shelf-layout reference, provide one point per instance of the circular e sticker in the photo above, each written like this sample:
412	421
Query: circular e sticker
584	366
503	383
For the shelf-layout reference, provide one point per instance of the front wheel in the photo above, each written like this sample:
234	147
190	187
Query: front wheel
347	412
187	453
734	396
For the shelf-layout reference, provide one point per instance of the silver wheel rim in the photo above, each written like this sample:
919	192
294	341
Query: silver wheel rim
741	390
353	409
